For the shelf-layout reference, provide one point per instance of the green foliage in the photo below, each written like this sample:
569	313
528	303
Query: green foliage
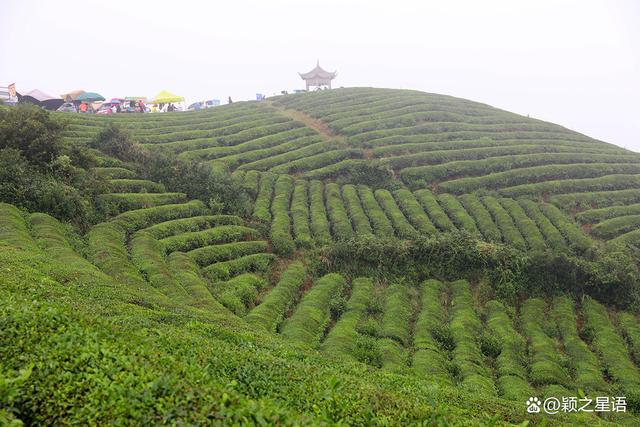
187	274
458	214
435	211
281	238
261	211
414	211
127	185
373	173
356	212
483	218
382	227
212	236
318	212
134	220
116	203
193	223
207	255
33	132
611	228
525	225
13	228
340	224
117	142
312	316
254	263
239	293
271	311
631	331
505	223
403	228
546	363
551	234
107	250
300	215
397	314
576	238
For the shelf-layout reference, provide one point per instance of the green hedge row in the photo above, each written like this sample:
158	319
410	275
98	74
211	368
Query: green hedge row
281	238
341	339
511	363
251	183
146	254
187	273
261	208
270	313
414	212
630	328
207	255
140	218
194	223
458	215
300	214
429	360
312	316
49	234
571	232
526	226
239	293
255	263
596	199
320	227
613	352
13	228
340	223
552	236
603	183
397	314
285	149
381	225
594	216
402	227
117	203
357	214
212	236
546	360
465	327
113	172
484	221
107	250
127	185
584	364
614	227
509	231
434	210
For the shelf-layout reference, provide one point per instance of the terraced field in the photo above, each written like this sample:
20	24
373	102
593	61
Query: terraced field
265	286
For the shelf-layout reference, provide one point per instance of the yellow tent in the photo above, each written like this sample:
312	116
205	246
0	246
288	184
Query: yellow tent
165	97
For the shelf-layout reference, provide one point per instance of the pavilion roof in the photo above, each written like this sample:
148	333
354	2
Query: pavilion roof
318	72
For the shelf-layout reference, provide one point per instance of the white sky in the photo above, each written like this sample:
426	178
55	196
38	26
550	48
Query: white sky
572	62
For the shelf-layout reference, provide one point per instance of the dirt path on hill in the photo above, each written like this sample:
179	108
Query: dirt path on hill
309	121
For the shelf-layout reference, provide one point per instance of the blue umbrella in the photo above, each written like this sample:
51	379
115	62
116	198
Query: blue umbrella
90	96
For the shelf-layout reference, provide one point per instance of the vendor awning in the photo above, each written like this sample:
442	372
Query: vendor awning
165	97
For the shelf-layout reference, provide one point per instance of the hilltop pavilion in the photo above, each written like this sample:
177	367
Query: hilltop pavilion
318	77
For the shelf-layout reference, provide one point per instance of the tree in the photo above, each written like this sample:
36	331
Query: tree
33	131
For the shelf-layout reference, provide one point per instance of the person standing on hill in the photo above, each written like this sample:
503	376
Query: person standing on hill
83	107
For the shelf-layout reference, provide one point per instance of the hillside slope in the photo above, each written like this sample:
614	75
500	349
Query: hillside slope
404	258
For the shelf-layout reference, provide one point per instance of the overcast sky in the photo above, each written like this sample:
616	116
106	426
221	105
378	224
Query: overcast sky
575	63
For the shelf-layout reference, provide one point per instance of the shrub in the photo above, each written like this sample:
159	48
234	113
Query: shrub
414	211
397	314
194	223
273	308
310	320
146	254
217	235
135	186
113	172
546	362
134	220
281	238
32	131
551	234
13	228
116	203
483	218
343	338
255	263
207	255
465	328
431	206
576	238
187	273
583	362
340	224
319	221
631	331
239	293
381	225
593	216
511	361
458	214
613	227
261	211
117	142
510	232
356	213
300	214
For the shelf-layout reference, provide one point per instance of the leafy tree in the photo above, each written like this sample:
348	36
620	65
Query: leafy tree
118	143
33	131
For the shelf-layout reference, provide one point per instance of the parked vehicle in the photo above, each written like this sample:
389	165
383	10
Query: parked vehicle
105	109
68	107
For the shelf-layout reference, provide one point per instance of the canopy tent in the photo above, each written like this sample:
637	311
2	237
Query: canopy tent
165	97
42	99
90	96
72	96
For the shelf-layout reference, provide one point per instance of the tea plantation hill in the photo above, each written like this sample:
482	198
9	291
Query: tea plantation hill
406	258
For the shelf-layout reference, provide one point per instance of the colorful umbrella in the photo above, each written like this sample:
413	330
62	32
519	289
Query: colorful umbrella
72	96
90	96
165	97
136	98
